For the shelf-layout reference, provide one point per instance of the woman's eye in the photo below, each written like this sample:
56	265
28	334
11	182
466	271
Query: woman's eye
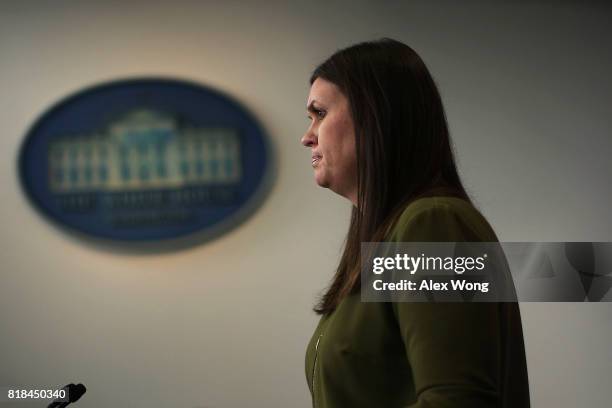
320	113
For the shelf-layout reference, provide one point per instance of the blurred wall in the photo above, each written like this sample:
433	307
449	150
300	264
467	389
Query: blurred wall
527	90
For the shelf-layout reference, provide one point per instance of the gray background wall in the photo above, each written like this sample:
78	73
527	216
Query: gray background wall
527	90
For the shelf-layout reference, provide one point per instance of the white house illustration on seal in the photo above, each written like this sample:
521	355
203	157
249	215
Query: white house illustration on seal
144	150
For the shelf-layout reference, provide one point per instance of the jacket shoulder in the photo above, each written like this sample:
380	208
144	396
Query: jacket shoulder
443	219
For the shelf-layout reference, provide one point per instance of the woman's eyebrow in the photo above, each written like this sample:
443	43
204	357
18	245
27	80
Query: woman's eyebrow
311	107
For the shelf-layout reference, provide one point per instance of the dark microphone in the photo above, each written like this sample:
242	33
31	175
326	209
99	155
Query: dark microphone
74	393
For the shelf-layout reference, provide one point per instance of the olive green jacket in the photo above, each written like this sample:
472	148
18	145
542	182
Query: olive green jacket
417	355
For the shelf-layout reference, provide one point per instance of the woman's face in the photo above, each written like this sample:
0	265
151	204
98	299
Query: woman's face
331	138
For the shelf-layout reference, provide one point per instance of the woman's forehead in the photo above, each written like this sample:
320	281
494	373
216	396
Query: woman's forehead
322	91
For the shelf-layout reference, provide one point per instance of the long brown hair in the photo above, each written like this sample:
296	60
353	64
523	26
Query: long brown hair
402	144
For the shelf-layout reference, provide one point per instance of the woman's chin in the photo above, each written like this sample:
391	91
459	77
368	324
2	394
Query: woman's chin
321	180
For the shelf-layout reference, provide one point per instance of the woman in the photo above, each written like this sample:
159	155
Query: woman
379	137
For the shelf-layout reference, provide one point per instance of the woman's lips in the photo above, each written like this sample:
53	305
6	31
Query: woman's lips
315	160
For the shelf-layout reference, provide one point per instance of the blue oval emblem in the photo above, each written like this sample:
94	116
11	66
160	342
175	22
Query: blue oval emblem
146	160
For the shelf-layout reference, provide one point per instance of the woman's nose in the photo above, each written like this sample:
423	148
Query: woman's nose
309	138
